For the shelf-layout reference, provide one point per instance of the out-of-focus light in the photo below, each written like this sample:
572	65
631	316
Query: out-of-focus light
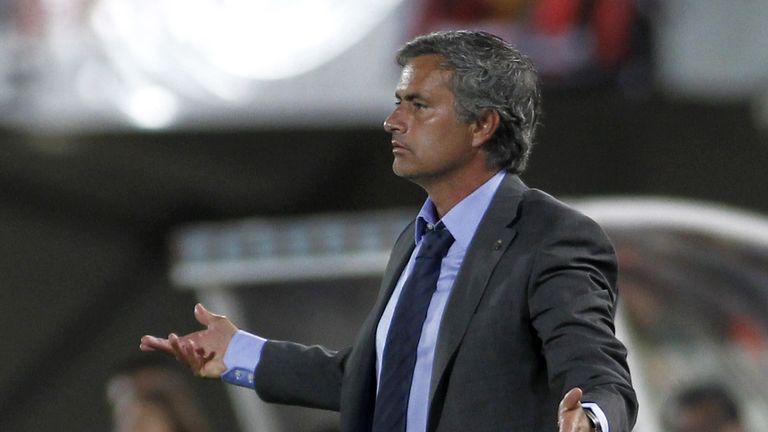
275	40
248	39
152	107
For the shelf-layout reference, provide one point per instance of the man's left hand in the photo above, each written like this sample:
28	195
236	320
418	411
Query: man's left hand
570	415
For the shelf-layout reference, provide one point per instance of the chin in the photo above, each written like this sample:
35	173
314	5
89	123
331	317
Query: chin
402	173
411	173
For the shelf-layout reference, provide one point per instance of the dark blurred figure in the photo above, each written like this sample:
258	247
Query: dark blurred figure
151	395
704	408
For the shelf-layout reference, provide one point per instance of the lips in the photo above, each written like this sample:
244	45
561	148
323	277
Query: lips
397	146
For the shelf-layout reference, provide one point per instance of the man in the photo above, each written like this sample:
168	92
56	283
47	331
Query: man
517	328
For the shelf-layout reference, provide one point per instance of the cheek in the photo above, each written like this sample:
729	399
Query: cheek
451	143
439	140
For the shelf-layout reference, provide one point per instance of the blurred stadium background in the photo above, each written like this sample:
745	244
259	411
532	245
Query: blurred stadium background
157	153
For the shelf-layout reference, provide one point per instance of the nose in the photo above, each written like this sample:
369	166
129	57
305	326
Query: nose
393	123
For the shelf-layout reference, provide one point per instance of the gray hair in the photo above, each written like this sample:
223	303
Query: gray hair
488	74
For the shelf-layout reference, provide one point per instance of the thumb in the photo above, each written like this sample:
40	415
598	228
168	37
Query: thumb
203	316
571	400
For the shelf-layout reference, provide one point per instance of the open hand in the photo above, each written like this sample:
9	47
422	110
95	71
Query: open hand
201	351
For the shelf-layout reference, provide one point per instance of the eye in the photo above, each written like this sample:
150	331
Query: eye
419	105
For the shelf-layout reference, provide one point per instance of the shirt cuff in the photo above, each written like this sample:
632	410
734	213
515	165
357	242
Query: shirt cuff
242	358
598	413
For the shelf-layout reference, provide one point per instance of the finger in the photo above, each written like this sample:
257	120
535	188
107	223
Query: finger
195	360
178	349
203	316
146	348
571	400
151	343
146	343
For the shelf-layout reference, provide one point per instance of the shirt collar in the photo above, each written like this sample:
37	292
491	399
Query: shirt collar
463	219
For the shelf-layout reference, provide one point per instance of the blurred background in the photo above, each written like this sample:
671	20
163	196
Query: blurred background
158	153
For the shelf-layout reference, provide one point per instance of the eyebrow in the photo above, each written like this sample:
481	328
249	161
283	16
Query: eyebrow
410	96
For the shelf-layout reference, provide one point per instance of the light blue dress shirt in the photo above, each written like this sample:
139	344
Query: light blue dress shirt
462	222
244	351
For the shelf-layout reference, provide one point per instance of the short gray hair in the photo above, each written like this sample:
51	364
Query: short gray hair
488	74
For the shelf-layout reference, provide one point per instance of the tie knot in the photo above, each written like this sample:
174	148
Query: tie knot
435	242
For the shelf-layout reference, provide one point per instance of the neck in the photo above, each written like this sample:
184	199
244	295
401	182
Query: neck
445	195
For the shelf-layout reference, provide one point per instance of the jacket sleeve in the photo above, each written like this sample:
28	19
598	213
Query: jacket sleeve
295	374
572	299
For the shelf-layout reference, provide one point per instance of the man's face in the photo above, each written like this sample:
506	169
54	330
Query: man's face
429	143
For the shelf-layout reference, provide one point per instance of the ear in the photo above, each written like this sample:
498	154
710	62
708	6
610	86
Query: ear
484	127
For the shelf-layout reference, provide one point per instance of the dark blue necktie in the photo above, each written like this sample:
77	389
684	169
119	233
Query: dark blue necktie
399	356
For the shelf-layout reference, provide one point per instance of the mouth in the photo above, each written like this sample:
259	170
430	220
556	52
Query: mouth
398	147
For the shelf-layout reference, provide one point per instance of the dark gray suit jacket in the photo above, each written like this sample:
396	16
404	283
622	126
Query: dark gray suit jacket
529	317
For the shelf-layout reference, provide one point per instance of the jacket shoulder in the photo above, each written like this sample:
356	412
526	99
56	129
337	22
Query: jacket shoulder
551	215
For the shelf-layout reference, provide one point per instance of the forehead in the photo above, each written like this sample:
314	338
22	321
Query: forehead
425	73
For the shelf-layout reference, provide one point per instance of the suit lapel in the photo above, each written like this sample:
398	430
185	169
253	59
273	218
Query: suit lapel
401	252
493	236
397	261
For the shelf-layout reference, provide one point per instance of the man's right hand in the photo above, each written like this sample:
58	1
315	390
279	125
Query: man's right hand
201	351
